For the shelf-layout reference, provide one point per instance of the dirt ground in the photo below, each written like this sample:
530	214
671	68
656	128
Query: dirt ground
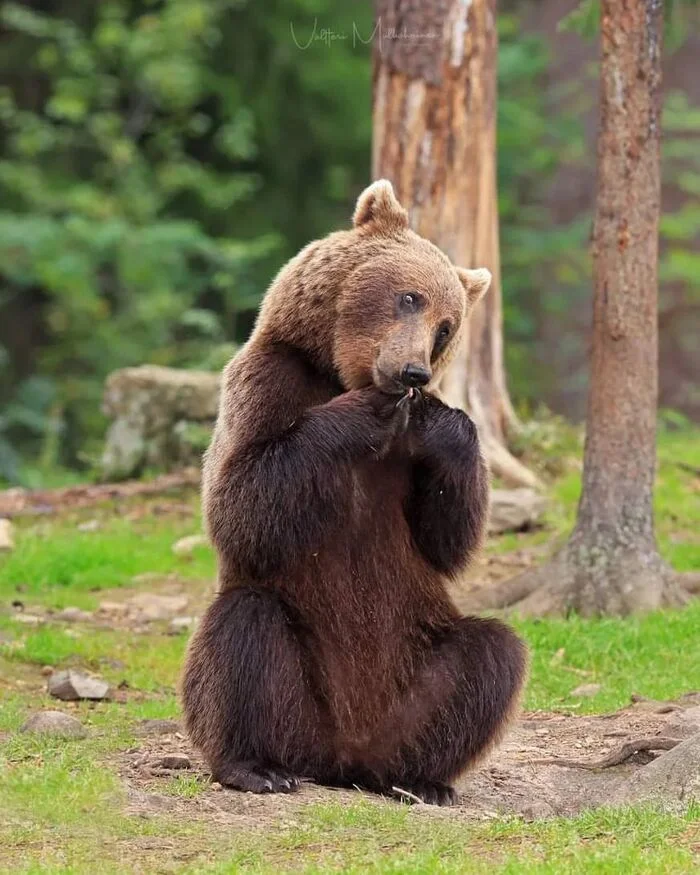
511	781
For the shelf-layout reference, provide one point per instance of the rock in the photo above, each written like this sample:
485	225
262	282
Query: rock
159	727
89	526
29	619
150	578
47	670
113	608
174	761
73	615
187	545
55	723
162	418
7	542
72	685
149	606
181	624
586	691
515	510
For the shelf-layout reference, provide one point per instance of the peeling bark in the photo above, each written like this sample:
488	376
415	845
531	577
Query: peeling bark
434	137
611	564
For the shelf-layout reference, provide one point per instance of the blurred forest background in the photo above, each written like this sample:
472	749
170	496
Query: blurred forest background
160	160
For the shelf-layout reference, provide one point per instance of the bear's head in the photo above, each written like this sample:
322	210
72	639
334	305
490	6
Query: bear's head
400	310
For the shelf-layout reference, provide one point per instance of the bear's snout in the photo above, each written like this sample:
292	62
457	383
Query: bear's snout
415	376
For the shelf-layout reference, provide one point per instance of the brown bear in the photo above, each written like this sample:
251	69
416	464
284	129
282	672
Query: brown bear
341	495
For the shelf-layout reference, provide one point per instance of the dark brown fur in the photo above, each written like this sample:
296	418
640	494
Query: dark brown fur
333	650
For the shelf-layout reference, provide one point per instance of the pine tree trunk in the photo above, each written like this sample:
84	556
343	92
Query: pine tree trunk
611	563
435	139
616	510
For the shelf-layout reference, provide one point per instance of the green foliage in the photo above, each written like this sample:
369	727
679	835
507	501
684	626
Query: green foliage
545	265
158	162
115	135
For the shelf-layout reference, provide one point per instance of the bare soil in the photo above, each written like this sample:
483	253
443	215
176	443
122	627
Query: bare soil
510	782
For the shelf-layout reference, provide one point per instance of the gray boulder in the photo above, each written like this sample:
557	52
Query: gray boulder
161	418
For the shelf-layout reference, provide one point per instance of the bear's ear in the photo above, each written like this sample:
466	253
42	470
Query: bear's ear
476	283
379	208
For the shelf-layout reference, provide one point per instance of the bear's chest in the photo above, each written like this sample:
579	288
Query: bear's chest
379	489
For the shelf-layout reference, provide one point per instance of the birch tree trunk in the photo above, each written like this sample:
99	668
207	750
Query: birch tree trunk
434	125
611	563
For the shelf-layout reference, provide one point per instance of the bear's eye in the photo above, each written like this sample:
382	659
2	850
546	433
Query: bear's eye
409	302
441	337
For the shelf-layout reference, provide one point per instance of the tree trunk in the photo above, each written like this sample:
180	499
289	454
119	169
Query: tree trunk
611	563
434	129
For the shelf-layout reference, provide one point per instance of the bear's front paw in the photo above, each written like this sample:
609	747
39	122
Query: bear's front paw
389	417
436	428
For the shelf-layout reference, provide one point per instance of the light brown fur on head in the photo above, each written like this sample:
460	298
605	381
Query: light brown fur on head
341	299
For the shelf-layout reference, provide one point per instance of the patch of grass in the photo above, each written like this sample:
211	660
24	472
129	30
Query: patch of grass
676	499
185	786
62	806
56	564
656	655
149	663
366	837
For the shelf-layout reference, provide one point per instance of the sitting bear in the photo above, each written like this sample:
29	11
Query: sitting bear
341	495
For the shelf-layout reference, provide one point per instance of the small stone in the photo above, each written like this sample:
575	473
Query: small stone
55	723
73	615
47	670
542	731
112	608
537	809
72	686
149	606
181	624
89	526
7	541
187	545
159	727
148	578
29	619
174	761
558	657
215	785
515	510
586	691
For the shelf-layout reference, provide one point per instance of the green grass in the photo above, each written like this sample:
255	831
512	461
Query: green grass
63	804
676	500
146	662
57	565
657	655
365	837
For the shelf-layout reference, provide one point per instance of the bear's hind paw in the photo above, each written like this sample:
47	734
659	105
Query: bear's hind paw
429	792
254	778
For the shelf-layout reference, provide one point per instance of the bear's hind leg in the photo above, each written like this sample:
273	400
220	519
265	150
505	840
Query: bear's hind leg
247	696
457	707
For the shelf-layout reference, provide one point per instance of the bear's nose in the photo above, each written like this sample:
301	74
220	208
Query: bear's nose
415	375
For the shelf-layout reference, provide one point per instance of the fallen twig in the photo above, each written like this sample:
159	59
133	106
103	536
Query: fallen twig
23	502
615	757
691	469
406	794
